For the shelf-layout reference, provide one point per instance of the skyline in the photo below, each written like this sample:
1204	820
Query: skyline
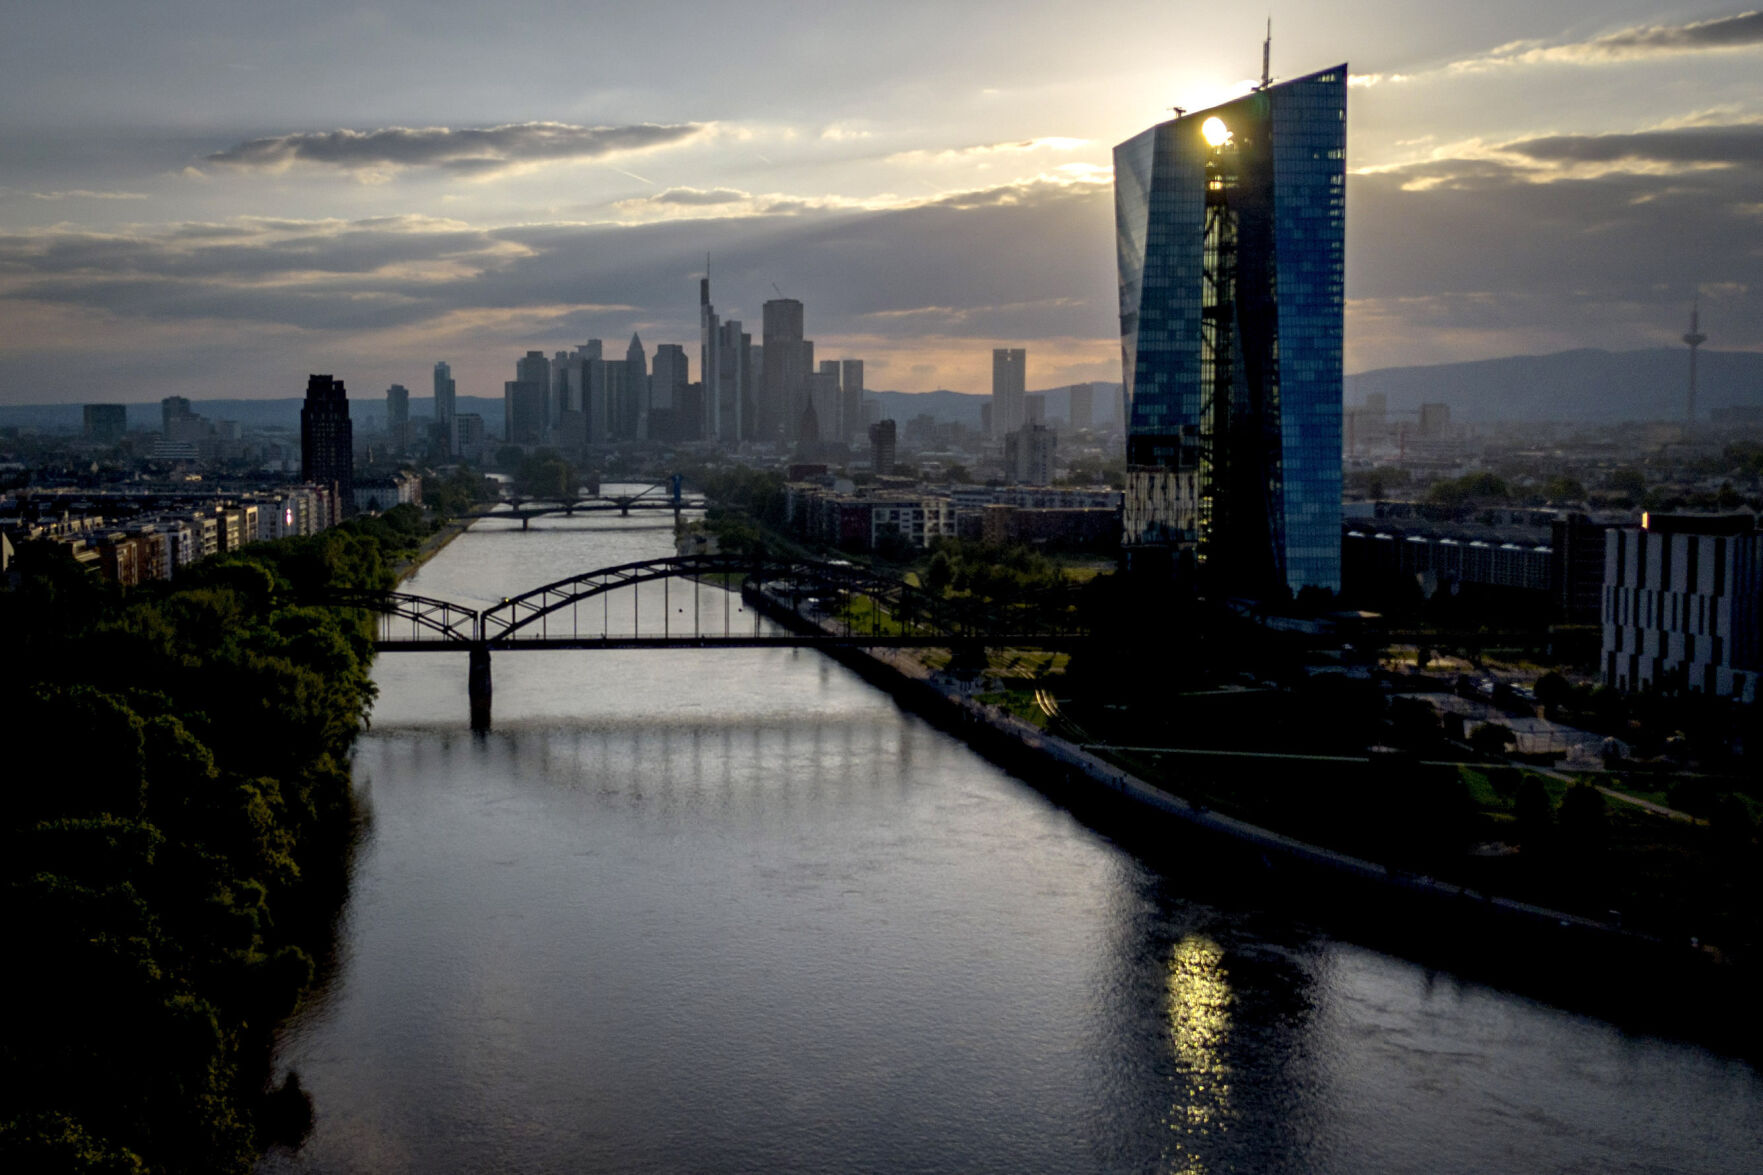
218	213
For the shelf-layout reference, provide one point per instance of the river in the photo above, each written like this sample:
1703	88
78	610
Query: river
736	911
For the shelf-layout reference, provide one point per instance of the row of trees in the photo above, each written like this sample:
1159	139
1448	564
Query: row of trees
174	861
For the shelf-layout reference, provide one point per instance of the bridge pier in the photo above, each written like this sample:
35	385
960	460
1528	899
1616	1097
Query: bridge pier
478	685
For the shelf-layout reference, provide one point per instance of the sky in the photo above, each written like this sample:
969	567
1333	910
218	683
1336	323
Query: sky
213	198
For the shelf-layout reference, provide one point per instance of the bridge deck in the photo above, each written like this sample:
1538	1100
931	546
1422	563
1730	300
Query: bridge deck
765	641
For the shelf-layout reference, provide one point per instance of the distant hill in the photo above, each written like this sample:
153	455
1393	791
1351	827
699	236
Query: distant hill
1591	387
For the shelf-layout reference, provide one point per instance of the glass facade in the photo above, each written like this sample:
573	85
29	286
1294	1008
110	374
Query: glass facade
1230	235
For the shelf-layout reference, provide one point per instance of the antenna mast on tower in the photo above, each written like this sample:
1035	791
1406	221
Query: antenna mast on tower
1267	56
1695	338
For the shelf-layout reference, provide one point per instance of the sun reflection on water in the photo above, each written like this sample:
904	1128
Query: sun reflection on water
1199	1030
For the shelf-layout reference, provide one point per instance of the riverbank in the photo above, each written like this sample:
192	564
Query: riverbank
433	545
1676	986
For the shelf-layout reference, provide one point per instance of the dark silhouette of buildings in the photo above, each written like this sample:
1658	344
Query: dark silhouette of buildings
327	439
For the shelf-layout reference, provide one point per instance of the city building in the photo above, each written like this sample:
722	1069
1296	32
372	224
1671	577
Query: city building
1682	596
851	398
468	435
1028	455
668	378
104	424
398	418
634	408
1230	230
1080	405
327	440
444	397
882	444
1009	375
786	361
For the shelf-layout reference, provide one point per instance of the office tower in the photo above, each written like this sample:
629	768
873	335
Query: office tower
397	417
1230	234
667	382
851	398
1080	406
327	439
105	423
1008	388
787	358
881	446
171	410
444	396
635	411
467	435
559	400
523	412
824	394
534	369
709	362
732	405
1034	408
1028	455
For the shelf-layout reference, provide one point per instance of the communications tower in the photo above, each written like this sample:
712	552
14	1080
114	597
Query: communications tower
1695	338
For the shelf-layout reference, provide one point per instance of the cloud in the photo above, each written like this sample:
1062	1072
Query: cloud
1742	31
983	150
88	194
698	196
1740	144
465	151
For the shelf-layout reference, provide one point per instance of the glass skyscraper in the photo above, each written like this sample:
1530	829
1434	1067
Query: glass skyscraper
1230	233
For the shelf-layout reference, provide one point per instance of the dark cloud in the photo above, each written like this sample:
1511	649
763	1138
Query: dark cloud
1740	144
698	196
464	151
1726	32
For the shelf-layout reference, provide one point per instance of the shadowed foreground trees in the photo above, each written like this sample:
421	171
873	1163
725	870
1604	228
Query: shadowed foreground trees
175	861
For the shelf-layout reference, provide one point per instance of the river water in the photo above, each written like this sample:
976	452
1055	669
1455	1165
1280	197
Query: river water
736	911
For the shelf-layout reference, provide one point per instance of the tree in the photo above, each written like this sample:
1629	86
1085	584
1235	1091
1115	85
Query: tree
1552	690
1535	812
1492	738
1585	820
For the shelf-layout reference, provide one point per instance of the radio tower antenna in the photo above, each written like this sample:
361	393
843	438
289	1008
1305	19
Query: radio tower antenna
1695	338
1267	56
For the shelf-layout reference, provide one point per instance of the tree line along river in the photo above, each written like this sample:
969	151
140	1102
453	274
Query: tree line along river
737	911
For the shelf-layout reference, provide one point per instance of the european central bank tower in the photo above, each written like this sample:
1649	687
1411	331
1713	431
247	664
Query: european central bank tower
1230	230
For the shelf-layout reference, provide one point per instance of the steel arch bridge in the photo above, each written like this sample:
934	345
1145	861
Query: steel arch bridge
809	599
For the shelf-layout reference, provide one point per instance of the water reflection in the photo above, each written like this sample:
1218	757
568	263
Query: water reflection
1199	1031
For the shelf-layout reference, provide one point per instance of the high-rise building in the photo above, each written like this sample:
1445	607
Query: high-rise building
882	446
1009	373
667	383
397	418
171	410
327	439
1230	229
1079	406
787	358
444	397
851	398
1028	455
105	423
824	395
1034	408
635	414
535	369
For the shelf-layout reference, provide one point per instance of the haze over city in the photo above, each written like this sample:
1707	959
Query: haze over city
236	196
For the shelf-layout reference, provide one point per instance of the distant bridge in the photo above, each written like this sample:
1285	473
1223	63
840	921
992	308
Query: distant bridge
670	497
818	604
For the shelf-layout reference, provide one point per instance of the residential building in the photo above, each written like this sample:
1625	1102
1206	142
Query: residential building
444	397
1230	230
882	446
1028	455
